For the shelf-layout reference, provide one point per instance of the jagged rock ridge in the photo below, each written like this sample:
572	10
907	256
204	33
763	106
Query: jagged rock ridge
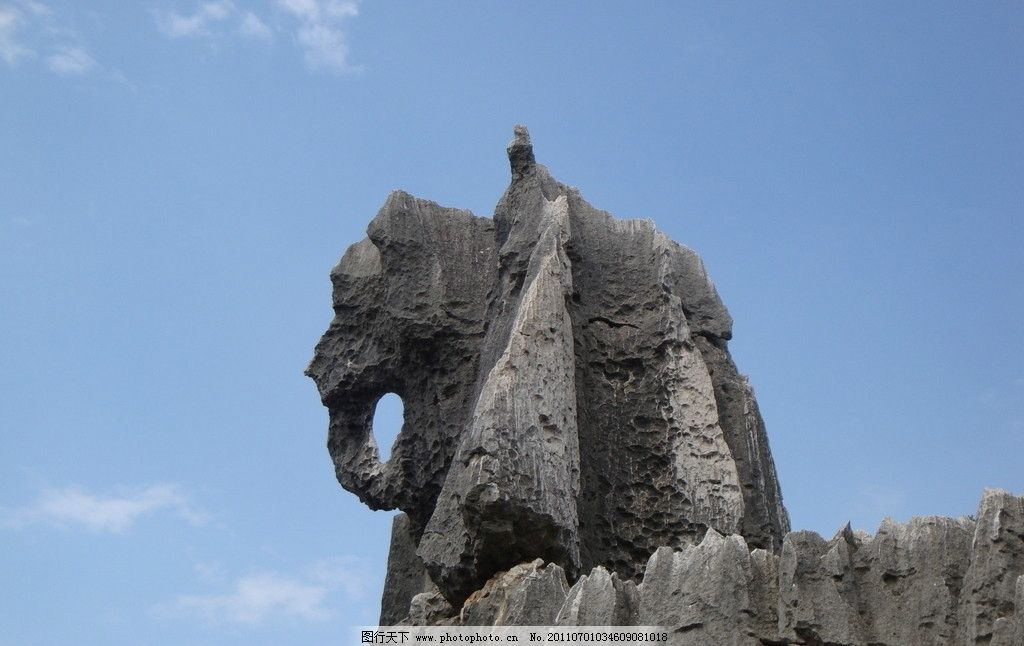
568	392
930	582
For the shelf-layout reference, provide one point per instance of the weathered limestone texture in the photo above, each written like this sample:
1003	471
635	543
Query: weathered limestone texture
530	594
929	582
600	599
991	587
717	592
579	447
568	391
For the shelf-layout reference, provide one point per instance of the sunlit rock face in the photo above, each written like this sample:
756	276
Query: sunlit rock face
568	394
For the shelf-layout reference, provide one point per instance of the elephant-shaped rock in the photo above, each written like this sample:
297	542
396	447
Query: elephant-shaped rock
567	388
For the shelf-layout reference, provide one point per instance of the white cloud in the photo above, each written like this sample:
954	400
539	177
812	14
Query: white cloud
37	8
256	597
73	507
316	25
198	23
320	33
213	19
252	27
344	573
70	60
305	9
11	20
30	29
260	597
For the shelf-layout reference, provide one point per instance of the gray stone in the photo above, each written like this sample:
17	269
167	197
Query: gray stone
529	594
765	520
409	307
763	593
511	491
711	593
406	576
1009	631
818	596
567	387
909	578
600	599
991	587
430	609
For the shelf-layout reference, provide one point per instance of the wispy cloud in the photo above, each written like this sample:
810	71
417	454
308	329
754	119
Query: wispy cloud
12	20
198	23
315	26
74	507
30	29
70	60
252	26
266	596
320	33
37	8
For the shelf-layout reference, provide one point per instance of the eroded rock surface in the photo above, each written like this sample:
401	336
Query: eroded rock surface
600	599
529	594
567	387
991	587
712	593
929	582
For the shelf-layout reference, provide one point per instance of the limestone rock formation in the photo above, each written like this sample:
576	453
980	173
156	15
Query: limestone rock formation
530	594
600	599
933	581
567	385
991	590
579	448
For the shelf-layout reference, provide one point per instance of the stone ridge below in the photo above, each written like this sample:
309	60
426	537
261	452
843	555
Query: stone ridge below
932	581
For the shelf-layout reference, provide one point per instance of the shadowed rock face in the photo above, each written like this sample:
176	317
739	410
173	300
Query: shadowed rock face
567	387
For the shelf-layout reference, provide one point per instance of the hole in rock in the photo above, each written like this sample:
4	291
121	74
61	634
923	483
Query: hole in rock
387	422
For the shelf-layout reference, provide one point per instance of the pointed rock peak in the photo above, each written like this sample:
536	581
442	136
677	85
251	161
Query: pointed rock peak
712	537
846	534
520	151
662	553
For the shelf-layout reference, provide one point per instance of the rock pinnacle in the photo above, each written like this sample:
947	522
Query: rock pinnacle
520	151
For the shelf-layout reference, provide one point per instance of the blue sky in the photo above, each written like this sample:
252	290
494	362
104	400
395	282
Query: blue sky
178	177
